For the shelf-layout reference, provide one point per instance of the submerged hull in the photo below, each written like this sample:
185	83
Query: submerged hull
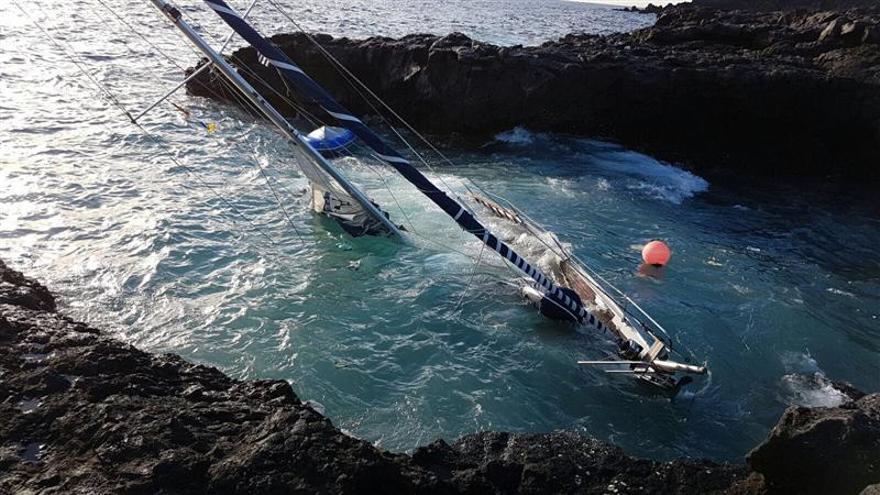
642	354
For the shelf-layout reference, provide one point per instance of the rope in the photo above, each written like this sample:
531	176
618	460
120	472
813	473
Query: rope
471	279
360	87
248	109
74	58
351	79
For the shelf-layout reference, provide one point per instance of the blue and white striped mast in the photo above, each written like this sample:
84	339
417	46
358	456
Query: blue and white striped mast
563	299
274	115
556	301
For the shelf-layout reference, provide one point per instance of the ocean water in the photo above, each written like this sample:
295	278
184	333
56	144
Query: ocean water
776	286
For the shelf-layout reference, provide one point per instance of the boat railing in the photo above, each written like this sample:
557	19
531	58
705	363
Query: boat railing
630	307
632	311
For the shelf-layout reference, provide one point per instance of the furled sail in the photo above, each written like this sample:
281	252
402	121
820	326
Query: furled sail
561	302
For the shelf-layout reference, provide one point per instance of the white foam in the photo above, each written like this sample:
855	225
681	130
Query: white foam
841	292
561	186
812	390
317	406
799	362
655	178
806	383
518	136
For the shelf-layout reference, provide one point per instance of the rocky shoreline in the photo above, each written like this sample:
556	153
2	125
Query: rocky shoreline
794	92
81	412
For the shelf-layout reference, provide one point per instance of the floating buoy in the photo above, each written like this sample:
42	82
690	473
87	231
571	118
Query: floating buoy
656	253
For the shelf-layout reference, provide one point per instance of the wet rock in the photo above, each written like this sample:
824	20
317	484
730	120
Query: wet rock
795	92
90	414
822	450
564	462
16	289
768	5
871	490
83	413
831	32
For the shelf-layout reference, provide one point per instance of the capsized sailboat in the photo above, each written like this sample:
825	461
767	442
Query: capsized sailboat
569	291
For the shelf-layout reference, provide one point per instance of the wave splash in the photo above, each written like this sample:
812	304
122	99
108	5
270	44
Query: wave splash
614	164
806	383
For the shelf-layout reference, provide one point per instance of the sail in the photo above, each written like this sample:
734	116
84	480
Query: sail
562	302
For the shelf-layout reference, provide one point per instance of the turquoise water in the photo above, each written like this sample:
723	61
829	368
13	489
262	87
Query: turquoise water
777	287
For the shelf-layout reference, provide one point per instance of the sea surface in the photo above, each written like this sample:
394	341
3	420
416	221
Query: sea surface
173	242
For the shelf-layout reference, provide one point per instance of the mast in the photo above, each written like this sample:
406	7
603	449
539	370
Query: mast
273	115
567	303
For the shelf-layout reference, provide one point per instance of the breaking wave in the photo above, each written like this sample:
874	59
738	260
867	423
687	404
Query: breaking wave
806	383
518	136
653	177
614	164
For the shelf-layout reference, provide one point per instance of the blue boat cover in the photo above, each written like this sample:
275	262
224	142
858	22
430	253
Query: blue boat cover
331	141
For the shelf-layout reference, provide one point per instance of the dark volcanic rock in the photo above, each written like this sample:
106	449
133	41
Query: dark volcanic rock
561	462
648	9
823	450
768	5
83	413
795	92
20	291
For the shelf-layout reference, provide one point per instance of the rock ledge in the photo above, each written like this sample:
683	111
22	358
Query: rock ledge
794	92
83	413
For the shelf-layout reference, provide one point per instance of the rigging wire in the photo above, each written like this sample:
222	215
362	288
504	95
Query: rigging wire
471	279
105	92
248	107
393	196
351	79
360	87
317	121
278	201
243	102
74	58
561	252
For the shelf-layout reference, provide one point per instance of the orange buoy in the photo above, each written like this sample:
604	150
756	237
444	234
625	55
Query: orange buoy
656	253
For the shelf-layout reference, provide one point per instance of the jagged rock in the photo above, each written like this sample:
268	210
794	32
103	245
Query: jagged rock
853	33
84	413
648	9
871	490
831	32
768	5
554	463
822	450
16	289
715	90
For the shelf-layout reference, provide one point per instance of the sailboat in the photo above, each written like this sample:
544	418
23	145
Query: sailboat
568	290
